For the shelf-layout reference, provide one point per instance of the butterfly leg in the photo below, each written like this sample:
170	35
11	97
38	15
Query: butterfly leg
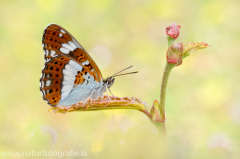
107	93
110	92
88	99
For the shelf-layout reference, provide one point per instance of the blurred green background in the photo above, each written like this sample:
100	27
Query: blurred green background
202	104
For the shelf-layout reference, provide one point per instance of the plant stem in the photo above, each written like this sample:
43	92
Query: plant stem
167	70
170	41
161	128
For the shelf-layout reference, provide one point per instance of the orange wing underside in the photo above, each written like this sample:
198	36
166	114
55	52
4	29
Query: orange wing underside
79	77
53	74
53	39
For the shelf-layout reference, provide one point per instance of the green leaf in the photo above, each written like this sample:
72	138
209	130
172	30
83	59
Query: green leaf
157	113
190	47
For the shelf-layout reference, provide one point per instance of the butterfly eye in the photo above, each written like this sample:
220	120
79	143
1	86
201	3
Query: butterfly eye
110	82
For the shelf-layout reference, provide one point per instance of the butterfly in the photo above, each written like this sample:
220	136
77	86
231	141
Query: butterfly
69	75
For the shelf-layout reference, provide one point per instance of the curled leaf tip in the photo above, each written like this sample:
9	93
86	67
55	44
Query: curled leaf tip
205	45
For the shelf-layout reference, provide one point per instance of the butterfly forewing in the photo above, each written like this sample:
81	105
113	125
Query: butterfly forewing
57	40
67	65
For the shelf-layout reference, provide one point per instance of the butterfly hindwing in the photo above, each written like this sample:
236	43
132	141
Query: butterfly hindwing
60	76
51	81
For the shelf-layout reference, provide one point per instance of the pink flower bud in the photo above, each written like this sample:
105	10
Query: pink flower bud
174	53
179	63
173	30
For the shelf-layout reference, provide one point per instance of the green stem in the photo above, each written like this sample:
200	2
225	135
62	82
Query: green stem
167	70
161	128
170	41
168	67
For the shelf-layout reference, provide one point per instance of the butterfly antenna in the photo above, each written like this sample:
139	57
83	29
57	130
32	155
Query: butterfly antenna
125	74
121	71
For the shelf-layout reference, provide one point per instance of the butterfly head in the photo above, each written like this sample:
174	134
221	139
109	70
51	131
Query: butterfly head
109	81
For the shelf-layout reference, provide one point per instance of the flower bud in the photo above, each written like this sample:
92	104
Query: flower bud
174	53
173	30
